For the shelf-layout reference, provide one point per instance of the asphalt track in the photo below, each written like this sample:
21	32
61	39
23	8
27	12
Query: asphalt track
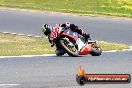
59	72
100	28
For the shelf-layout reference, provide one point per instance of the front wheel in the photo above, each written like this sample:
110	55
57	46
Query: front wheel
96	50
69	46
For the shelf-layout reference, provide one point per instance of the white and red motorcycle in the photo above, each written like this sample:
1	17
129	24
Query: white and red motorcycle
74	44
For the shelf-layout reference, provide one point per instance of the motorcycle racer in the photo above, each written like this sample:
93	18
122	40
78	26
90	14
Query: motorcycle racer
49	32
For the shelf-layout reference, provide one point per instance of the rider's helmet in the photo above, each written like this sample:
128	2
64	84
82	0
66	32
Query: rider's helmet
46	29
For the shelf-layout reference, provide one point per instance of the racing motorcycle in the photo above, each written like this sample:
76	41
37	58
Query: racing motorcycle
74	44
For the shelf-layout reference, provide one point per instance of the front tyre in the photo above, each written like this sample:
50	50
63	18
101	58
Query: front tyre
96	50
69	46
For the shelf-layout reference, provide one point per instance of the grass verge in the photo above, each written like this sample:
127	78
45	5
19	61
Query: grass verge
14	45
21	45
85	7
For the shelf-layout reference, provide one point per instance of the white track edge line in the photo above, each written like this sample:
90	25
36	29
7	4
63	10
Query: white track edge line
111	51
27	56
8	85
21	34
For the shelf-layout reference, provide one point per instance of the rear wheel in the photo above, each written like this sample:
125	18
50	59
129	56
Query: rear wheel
69	46
96	50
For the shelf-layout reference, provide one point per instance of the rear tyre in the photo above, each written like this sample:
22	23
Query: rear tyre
96	50
74	53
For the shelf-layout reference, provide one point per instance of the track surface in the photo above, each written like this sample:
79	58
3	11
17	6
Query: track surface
100	28
52	71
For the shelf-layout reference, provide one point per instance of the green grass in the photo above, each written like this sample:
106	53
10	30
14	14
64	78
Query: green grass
21	45
112	46
85	7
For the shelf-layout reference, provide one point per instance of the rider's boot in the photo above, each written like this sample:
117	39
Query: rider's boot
59	52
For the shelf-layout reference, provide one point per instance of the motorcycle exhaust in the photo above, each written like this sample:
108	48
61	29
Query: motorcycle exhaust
91	41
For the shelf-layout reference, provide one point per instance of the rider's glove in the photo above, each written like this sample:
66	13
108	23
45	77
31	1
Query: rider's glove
86	35
64	26
73	27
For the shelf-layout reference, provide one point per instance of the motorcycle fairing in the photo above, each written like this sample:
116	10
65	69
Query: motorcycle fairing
86	49
80	44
